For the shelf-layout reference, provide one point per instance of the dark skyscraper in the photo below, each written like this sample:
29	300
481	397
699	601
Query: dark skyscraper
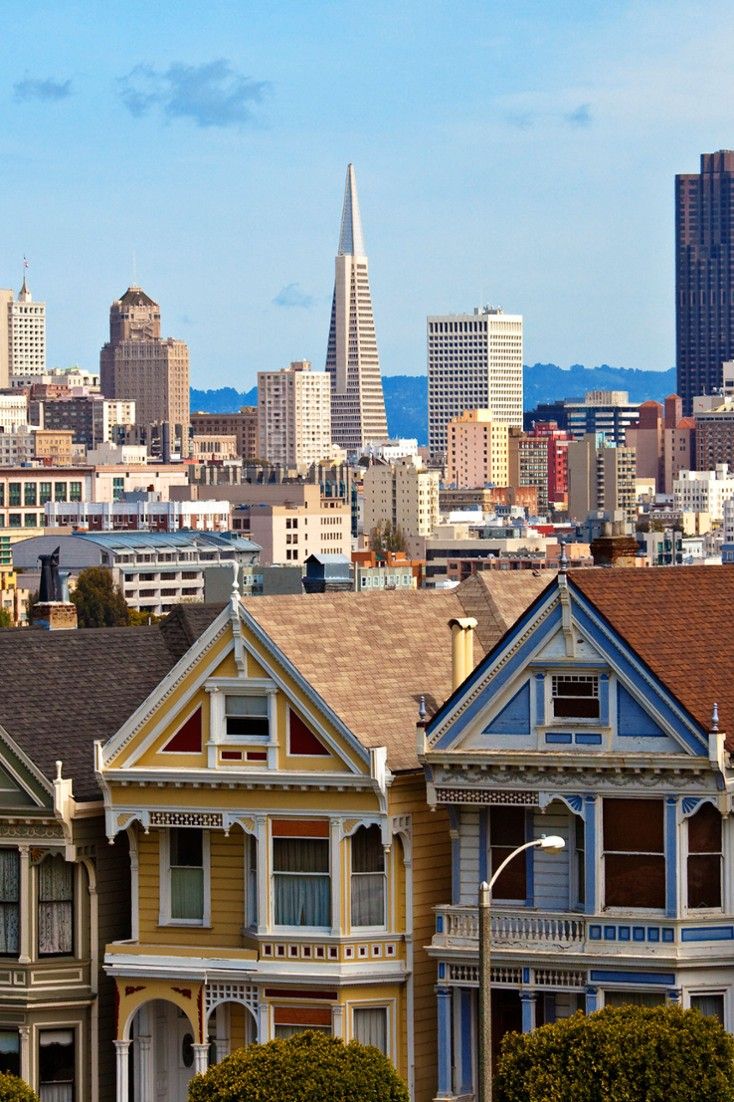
704	274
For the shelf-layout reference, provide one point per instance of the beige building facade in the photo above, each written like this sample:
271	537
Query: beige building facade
476	450
137	364
242	425
22	335
289	526
294	415
405	493
601	478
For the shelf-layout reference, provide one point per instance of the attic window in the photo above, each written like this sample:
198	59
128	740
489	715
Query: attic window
575	696
247	716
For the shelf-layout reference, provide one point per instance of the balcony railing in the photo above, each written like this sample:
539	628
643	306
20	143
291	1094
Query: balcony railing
459	926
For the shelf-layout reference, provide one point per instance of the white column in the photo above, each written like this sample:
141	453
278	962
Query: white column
201	1058
25	1053
336	879
26	905
145	1054
122	1049
264	920
337	1020
262	1023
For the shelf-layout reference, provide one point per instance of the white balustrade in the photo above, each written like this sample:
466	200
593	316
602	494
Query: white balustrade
523	928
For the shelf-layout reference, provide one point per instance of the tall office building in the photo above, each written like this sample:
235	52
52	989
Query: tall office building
704	274
294	415
352	361
22	335
474	362
138	364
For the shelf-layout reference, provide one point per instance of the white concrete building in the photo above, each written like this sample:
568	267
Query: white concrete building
405	493
294	415
22	335
474	362
704	491
13	411
141	511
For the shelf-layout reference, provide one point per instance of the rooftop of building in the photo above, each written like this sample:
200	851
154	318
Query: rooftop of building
136	296
111	670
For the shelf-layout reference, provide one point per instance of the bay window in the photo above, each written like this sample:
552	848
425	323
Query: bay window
55	906
368	877
9	902
56	1065
9	1052
634	854
301	880
704	858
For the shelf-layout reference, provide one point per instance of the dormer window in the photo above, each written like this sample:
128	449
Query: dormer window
575	696
247	716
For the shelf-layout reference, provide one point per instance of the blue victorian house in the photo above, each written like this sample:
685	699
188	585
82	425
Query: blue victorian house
596	717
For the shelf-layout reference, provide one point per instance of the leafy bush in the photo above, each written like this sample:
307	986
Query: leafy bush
13	1089
620	1054
308	1067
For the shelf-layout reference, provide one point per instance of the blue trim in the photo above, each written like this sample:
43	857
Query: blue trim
689	804
590	854
527	1004
604	698
443	1007
483	844
653	933
439	924
442	971
668	934
602	975
539	699
562	738
624	933
514	718
707	933
671	857
529	862
503	677
638	933
610	933
632	719
467	1062
591	999
587	740
594	933
526	975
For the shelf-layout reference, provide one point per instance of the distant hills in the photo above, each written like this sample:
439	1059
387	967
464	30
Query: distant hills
406	396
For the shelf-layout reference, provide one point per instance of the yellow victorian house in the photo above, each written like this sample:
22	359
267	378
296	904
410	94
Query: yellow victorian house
284	863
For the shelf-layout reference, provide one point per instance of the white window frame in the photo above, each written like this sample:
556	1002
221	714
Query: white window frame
164	917
282	927
386	880
389	1008
252	882
564	721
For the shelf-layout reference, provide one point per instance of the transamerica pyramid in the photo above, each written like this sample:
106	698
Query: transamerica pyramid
352	360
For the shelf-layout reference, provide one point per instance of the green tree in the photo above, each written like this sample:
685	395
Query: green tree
308	1067
13	1089
620	1054
386	536
99	602
6	620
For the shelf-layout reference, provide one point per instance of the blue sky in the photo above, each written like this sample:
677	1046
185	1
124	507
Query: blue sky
517	153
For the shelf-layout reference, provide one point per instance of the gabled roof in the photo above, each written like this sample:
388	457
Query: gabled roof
678	620
63	690
371	656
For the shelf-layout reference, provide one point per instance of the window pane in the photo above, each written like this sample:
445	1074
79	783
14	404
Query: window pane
633	826
507	826
634	998
370	1027
704	830
9	896
704	880
300	855
187	893
302	900
56	1065
368	899
10	1052
710	1005
634	880
187	847
512	884
368	854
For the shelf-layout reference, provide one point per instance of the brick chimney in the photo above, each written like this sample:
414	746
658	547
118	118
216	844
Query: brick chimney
54	616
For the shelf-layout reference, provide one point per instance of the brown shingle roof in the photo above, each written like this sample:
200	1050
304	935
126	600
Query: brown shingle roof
678	620
371	656
63	690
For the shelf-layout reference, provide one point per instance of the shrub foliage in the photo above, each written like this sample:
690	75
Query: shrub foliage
620	1054
308	1067
13	1089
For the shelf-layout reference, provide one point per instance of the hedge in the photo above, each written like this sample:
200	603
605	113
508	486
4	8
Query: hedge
620	1054
308	1067
13	1089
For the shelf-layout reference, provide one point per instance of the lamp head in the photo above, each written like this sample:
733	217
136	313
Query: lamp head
552	842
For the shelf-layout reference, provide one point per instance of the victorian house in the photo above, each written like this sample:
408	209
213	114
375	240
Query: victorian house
599	716
284	862
64	892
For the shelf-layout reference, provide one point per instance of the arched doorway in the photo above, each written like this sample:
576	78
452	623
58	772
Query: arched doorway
231	1016
163	1052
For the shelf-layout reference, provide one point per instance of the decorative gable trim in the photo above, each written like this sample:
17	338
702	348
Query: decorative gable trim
25	773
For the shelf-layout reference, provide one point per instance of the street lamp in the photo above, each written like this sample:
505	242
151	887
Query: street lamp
553	843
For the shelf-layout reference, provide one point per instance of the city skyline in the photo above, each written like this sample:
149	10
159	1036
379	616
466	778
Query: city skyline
210	175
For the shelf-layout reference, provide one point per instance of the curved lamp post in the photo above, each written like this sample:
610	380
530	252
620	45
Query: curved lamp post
553	843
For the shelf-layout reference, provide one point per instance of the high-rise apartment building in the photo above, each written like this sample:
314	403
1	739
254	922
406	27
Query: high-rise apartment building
607	411
22	335
601	478
352	360
704	274
528	464
294	415
474	362
404	493
476	451
139	365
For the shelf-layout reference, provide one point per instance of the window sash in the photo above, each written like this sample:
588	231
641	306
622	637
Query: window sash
55	907
370	1026
575	696
368	898
247	716
9	902
186	874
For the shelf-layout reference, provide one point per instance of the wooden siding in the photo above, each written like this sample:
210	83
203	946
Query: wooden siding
550	879
431	887
468	857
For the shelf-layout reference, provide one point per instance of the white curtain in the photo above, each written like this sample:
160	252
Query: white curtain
370	1026
56	1092
368	877
301	881
55	906
710	1005
9	901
